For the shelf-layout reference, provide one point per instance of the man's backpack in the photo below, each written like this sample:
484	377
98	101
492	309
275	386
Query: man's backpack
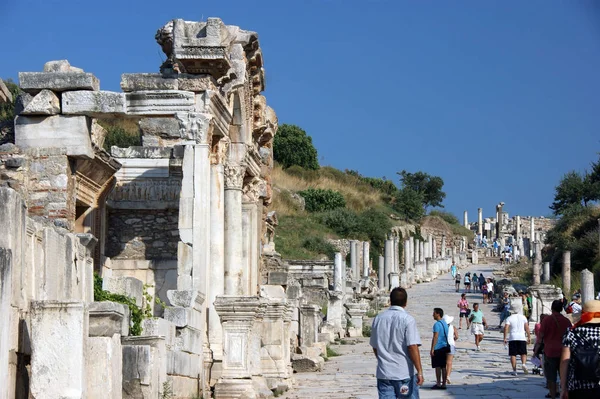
587	362
569	308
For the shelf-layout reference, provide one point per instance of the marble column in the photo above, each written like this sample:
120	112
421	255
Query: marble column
381	273
388	266
566	274
434	249
250	247
234	266
337	272
480	222
546	274
537	263
217	257
444	245
587	286
417	257
426	250
353	258
421	251
531	235
396	253
412	250
407	260
365	249
517	228
465	219
201	227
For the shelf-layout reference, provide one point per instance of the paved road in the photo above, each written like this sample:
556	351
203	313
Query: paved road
484	374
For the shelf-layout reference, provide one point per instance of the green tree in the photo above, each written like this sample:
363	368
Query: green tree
593	182
409	204
571	193
429	187
7	110
292	146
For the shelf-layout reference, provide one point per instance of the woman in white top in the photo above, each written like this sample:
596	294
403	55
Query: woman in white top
452	336
516	334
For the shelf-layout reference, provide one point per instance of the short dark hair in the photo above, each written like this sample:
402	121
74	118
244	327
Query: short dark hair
439	311
398	297
557	305
476	304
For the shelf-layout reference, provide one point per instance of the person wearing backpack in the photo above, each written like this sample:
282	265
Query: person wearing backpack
580	356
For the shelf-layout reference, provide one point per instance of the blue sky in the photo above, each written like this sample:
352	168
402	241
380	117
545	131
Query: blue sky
499	98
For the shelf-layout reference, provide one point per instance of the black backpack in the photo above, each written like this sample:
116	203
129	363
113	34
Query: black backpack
587	361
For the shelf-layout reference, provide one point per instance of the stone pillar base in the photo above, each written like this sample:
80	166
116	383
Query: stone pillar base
235	389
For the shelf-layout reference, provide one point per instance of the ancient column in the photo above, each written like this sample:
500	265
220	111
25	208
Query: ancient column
396	253
433	249
430	250
412	250
250	239
365	249
546	274
465	219
517	228
217	257
537	262
531	235
566	274
353	259
426	250
417	257
337	272
587	286
480	222
407	259
381	273
388	262
444	245
421	251
234	266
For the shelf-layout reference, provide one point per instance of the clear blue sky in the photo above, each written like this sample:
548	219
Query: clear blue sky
499	98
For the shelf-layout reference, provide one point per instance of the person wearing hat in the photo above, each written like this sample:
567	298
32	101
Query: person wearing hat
578	364
452	337
516	328
576	306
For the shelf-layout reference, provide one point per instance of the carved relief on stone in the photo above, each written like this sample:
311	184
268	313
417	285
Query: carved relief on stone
194	126
253	190
219	150
234	176
147	190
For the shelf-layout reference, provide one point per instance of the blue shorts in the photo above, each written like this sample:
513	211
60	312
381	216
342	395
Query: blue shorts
394	389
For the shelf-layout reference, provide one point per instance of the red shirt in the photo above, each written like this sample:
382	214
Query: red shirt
553	328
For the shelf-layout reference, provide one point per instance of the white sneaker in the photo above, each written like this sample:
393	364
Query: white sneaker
514	372
524	368
478	348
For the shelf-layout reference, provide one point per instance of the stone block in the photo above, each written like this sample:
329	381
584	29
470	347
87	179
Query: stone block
186	298
164	102
33	82
163	127
60	66
272	291
70	132
278	278
144	367
44	103
185	259
93	103
104	364
184	387
128	286
184	364
57	332
184	317
106	319
147	81
189	340
158	327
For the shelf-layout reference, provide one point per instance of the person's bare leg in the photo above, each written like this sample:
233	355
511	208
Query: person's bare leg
444	376
448	366
438	375
513	362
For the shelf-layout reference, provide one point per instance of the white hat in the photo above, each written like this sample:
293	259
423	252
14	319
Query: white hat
448	319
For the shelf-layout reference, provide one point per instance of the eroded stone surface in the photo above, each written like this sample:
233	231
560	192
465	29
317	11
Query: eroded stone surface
44	103
57	81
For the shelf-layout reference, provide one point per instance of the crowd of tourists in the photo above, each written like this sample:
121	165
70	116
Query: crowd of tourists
571	351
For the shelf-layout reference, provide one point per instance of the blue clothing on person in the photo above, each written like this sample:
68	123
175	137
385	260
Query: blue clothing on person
441	328
392	332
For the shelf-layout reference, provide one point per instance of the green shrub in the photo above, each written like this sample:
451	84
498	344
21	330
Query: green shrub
447	216
118	136
341	220
320	246
7	110
366	330
319	200
292	146
331	352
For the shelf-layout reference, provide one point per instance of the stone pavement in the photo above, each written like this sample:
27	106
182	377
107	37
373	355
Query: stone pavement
484	374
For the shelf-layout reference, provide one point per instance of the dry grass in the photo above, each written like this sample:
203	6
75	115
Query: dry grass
358	195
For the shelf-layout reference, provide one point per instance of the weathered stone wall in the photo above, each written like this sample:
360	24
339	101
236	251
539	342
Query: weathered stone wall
142	234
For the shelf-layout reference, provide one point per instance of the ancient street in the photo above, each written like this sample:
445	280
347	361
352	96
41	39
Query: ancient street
483	374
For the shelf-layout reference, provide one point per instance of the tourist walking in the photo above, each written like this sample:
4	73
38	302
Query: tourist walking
464	311
579	360
505	308
552	329
490	291
452	337
439	348
395	341
453	270
467	282
574	307
478	325
457	281
516	334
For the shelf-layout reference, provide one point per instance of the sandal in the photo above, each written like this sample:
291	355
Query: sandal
448	381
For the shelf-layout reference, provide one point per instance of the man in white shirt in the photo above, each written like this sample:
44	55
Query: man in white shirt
516	334
490	290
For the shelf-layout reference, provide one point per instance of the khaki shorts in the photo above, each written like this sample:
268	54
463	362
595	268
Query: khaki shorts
477	329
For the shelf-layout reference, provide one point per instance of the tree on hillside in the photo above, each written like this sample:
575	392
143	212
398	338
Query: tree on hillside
7	110
429	187
574	191
409	204
292	146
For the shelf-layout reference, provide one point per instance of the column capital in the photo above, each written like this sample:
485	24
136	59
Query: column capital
194	126
234	176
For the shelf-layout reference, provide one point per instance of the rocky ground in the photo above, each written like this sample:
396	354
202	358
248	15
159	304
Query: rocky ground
483	374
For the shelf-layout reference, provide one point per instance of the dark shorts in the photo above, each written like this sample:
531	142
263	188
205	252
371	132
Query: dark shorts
551	367
439	358
467	284
517	348
464	314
